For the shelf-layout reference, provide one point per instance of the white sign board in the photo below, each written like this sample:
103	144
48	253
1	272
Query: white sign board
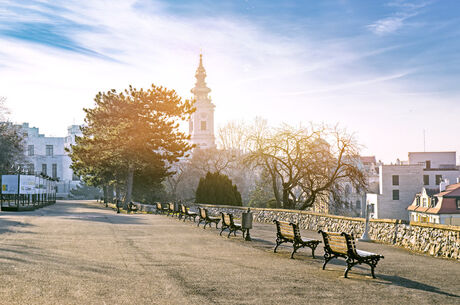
10	184
27	184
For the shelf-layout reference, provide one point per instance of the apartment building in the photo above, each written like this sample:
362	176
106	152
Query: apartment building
399	183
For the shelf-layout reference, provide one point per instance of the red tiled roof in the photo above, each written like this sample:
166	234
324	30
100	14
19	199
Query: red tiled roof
447	202
451	190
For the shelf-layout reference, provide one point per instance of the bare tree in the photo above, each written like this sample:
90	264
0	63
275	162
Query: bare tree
4	111
233	136
305	164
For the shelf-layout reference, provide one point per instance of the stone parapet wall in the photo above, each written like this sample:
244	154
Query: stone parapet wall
431	239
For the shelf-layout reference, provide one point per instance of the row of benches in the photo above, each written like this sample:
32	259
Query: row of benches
336	245
181	211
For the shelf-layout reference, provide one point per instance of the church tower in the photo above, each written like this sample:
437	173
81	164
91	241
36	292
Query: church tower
201	123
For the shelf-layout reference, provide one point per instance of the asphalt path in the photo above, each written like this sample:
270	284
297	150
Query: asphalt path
79	252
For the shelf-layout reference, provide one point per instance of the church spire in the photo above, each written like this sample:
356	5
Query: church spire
201	90
202	120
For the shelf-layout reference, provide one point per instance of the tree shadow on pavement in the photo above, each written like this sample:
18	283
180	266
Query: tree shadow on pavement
7	226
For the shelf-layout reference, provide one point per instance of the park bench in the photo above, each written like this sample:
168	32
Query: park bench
228	223
343	245
172	209
161	209
185	212
132	207
288	232
208	220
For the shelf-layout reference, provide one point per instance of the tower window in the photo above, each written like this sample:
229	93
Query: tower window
203	125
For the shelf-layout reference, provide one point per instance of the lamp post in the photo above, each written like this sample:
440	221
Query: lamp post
365	236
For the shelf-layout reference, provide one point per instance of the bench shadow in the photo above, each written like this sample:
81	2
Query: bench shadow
396	280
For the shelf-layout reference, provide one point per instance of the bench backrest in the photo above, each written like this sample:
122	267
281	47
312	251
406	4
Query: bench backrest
336	242
183	208
203	213
227	219
351	243
285	229
171	206
158	206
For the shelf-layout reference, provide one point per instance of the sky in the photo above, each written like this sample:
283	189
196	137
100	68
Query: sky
387	71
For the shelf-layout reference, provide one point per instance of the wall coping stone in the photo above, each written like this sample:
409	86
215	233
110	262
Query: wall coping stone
435	226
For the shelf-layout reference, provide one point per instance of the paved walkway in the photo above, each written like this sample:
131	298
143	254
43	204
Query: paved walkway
78	252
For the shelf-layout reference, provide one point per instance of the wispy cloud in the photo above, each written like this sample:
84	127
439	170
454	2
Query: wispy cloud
395	22
65	51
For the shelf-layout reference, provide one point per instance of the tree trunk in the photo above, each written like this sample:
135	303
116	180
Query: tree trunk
106	194
309	202
286	204
129	186
110	193
276	192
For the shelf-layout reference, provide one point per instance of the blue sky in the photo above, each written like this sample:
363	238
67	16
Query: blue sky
385	70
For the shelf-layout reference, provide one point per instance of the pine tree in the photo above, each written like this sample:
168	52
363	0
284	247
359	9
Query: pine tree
216	188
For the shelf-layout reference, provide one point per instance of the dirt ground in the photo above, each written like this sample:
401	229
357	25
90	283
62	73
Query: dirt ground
79	252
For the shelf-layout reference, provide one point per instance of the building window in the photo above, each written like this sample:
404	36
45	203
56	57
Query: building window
426	179
417	201
428	163
54	170
358	204
30	150
395	194
31	169
203	125
424	201
49	150
395	179
44	169
438	179
458	203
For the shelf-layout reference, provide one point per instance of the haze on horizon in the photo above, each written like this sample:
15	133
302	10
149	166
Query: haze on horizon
385	70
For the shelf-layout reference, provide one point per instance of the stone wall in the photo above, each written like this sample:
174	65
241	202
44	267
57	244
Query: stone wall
431	239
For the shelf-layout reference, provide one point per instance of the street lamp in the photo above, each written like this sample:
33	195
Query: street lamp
365	236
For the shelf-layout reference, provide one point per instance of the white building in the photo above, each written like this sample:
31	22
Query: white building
399	183
201	123
47	155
